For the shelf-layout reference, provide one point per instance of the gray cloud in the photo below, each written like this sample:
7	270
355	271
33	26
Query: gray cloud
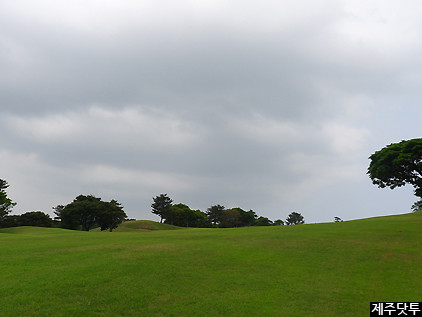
272	107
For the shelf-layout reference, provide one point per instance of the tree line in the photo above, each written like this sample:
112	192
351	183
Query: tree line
86	212
83	213
393	166
215	216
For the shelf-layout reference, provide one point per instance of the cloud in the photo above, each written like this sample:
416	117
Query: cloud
113	128
268	106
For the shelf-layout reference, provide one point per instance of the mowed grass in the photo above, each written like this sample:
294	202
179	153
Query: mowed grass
332	269
141	225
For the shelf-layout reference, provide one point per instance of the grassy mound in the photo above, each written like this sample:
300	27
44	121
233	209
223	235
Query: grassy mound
330	269
142	225
33	230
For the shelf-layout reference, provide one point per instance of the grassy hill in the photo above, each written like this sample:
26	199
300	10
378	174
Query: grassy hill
142	225
331	269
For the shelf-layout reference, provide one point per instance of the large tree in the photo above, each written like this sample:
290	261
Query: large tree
295	218
110	215
398	164
6	204
215	214
85	212
161	206
35	218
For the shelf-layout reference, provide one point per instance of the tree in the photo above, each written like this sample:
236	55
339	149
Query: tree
247	218
87	211
10	221
278	222
231	218
263	221
110	215
215	213
35	218
295	218
6	204
398	164
161	206
417	206
337	219
181	215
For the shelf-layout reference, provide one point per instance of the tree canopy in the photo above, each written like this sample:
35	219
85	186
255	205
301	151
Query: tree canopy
86	212
295	218
161	206
215	216
398	164
417	206
35	218
6	204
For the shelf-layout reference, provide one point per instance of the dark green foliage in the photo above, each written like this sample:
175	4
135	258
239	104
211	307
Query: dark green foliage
398	164
10	221
6	204
161	206
295	218
417	206
247	218
31	218
35	218
263	221
278	222
234	217
182	216
85	212
58	212
215	214
231	218
110	215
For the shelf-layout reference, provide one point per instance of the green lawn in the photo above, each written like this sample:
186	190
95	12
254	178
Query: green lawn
332	269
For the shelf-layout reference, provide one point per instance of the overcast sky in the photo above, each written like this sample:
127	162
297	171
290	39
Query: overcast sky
273	106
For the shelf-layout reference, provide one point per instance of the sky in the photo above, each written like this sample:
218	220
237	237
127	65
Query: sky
273	106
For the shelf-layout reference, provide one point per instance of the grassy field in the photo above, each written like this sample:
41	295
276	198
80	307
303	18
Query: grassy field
142	225
332	269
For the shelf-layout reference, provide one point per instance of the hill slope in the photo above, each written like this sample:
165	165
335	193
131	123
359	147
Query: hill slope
142	225
331	269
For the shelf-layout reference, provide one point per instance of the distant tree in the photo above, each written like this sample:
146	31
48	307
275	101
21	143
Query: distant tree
295	218
263	221
181	215
417	206
161	206
66	218
35	218
201	220
85	212
10	221
178	215
278	222
231	218
110	215
58	211
215	214
337	219
6	204
247	218
398	164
